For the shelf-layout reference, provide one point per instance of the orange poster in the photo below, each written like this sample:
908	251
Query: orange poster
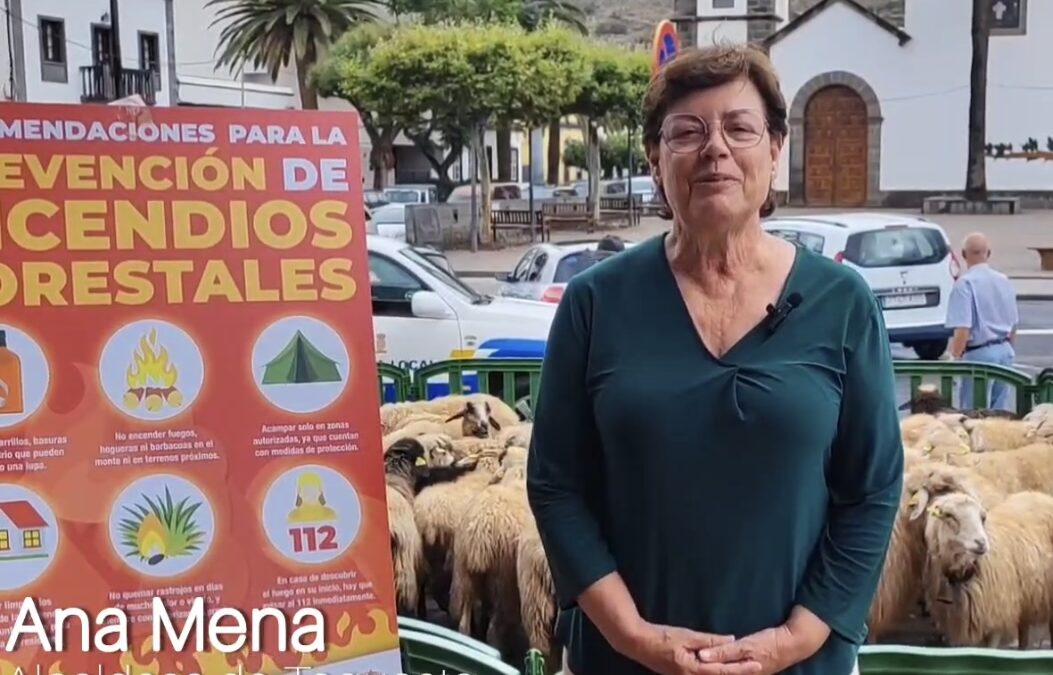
189	434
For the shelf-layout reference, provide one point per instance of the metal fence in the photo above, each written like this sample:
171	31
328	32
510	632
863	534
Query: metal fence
517	380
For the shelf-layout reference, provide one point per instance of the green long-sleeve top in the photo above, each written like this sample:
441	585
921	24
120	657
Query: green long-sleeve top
723	490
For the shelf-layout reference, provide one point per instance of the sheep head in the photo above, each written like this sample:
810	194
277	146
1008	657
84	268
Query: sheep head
438	449
927	400
934	481
955	534
945	440
403	455
476	419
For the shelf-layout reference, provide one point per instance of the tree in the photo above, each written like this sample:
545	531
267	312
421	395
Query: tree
976	173
612	97
269	33
348	73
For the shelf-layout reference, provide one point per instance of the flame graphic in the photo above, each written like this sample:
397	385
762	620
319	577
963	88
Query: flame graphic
151	538
152	376
352	641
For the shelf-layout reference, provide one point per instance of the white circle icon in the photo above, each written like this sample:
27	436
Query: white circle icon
29	537
151	370
24	376
162	525
311	514
300	364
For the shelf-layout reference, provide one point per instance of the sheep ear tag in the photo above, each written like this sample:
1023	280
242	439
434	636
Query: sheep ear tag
422	462
935	512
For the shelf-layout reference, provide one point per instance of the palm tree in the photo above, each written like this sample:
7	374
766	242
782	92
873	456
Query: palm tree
533	13
268	33
976	172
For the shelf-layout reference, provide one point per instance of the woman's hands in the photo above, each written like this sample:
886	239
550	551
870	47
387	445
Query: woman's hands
675	651
775	649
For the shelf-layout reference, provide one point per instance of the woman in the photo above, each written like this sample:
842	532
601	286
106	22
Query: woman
715	483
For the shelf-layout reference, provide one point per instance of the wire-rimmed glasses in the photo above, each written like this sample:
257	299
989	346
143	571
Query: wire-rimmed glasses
687	133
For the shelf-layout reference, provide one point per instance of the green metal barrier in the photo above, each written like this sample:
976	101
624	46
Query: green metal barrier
981	374
514	379
903	660
508	379
426	652
1044	386
411	624
394	382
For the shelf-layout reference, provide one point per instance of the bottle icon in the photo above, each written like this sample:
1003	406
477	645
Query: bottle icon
11	399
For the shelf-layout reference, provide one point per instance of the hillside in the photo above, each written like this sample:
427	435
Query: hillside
633	21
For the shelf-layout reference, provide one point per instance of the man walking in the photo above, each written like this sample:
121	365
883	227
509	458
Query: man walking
982	311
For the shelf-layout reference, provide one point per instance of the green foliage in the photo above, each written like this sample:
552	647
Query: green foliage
614	154
614	92
347	73
267	33
1029	150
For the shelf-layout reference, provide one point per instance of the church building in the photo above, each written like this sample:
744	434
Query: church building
878	94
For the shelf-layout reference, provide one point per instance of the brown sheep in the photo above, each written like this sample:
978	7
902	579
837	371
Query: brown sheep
407	549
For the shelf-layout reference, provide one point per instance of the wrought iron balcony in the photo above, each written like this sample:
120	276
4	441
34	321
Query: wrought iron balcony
97	85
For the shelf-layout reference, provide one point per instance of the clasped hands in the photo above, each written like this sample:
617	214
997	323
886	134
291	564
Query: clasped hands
670	650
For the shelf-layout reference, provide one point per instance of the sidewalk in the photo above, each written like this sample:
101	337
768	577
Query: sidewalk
1010	238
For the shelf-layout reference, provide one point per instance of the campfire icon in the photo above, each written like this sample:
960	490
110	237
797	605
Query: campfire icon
151	370
152	377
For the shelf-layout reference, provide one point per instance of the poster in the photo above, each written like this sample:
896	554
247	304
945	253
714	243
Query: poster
188	399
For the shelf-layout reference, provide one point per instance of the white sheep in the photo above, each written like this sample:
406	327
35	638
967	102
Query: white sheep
393	414
995	434
989	572
537	596
1026	468
484	597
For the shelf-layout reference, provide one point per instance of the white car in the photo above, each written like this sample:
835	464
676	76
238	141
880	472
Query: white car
388	220
907	261
544	270
423	313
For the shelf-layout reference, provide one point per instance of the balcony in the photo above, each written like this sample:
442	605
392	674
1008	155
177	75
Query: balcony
97	85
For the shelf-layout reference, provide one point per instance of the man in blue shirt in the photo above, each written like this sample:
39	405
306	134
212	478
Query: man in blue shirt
982	311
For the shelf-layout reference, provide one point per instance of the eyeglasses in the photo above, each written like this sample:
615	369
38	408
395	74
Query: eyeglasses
686	133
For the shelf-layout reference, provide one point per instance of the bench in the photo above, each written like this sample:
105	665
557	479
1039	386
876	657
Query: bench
577	212
614	209
1045	257
519	221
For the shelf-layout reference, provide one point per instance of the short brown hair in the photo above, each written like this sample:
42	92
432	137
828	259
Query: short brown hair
699	68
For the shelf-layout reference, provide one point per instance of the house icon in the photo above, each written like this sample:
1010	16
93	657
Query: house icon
21	531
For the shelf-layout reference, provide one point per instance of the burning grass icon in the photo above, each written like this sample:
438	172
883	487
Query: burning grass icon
152	377
161	529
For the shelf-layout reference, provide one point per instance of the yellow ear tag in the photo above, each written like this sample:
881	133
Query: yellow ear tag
422	462
935	512
913	500
927	448
965	449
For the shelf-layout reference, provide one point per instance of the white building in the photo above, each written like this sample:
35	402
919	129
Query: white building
879	104
60	51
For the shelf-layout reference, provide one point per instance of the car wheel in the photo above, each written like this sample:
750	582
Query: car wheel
930	350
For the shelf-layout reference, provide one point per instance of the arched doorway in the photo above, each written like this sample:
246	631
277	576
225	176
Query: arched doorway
835	148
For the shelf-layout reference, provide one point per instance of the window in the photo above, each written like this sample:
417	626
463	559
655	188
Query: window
896	246
31	539
809	240
723	4
5	540
576	263
150	52
52	49
444	275
521	268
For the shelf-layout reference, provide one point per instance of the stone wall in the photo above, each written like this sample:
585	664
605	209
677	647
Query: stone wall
760	28
890	10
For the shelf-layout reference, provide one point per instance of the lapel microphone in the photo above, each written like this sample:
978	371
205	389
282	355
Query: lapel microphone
776	315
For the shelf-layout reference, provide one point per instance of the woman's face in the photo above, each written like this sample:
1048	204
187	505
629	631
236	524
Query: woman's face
710	177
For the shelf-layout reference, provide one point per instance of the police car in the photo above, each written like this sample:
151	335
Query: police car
423	313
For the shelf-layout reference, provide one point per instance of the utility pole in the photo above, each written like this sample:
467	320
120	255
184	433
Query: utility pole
115	50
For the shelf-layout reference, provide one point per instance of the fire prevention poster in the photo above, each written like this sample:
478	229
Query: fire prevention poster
191	477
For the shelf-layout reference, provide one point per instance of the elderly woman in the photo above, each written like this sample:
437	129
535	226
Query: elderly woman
716	460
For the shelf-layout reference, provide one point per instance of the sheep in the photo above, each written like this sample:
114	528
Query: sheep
477	419
939	441
1026	468
407	547
484	596
927	399
438	508
914	427
466	447
1041	418
518	435
989	573
414	428
393	414
996	434
537	596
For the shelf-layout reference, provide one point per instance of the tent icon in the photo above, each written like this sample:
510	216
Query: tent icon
300	362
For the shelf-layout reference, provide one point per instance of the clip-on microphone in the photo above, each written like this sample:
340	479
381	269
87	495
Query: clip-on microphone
776	315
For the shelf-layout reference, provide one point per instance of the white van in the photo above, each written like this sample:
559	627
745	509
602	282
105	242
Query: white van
422	313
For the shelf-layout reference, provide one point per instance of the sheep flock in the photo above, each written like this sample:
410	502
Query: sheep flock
970	561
